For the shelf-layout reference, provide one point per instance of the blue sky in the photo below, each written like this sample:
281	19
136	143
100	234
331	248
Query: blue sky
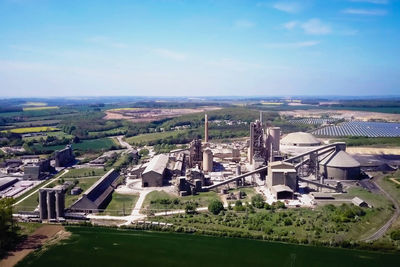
198	48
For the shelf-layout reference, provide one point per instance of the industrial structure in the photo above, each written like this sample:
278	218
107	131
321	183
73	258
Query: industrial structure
300	139
51	203
155	172
64	157
37	169
98	195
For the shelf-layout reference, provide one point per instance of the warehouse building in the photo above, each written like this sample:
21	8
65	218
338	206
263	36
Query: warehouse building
98	195
33	171
155	172
300	139
6	182
282	179
340	166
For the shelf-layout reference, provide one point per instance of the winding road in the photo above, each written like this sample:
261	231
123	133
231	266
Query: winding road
381	231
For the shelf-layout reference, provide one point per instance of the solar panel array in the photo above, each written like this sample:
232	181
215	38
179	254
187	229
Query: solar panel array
361	128
314	121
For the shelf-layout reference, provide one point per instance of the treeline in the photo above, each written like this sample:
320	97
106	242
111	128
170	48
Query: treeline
8	228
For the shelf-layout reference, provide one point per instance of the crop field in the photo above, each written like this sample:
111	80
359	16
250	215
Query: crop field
32	130
112	247
360	128
143	138
40	108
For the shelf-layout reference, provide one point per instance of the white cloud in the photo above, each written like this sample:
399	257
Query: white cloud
378	2
169	54
244	24
292	44
289	7
315	27
290	25
367	12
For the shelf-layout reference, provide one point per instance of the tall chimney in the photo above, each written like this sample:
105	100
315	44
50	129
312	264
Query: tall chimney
261	118
205	128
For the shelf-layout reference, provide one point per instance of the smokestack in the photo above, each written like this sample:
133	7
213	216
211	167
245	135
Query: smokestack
205	128
261	118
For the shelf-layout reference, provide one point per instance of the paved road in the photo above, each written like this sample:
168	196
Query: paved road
381	231
34	192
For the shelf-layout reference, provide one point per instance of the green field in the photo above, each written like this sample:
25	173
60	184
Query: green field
121	205
144	138
84	172
40	108
84	145
111	247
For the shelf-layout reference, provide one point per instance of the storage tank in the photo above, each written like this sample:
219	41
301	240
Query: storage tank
51	204
60	204
207	160
340	166
43	204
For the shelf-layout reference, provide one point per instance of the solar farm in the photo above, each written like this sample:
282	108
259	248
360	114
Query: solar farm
314	121
361	128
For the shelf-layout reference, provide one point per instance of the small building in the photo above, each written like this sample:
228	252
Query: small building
360	203
155	172
282	179
33	171
76	191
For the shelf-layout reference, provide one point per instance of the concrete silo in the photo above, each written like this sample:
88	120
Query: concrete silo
43	204
207	160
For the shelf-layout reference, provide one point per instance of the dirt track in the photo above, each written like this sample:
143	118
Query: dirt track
34	241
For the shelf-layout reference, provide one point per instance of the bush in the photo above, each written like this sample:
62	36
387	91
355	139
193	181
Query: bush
395	235
190	208
215	207
258	201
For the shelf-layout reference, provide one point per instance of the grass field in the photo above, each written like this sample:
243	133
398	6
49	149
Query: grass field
40	108
121	205
57	134
144	138
84	172
111	247
84	183
32	130
123	109
85	145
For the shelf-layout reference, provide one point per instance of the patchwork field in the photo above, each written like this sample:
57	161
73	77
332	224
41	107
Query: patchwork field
85	145
111	247
40	108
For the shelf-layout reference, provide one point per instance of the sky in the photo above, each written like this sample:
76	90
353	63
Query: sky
199	48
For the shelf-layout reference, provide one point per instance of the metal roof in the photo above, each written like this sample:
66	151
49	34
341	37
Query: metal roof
340	159
281	188
300	138
157	164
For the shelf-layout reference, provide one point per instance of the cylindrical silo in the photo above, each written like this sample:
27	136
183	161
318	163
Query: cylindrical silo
60	204
43	204
207	160
238	170
51	204
275	133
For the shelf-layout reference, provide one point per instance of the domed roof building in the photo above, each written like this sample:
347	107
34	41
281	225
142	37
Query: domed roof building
300	139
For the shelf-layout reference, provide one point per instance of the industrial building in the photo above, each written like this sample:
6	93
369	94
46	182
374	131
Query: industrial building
300	139
64	157
97	196
282	179
340	166
155	171
51	203
35	170
7	182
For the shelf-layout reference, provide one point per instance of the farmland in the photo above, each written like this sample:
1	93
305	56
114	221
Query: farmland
101	144
121	205
111	247
32	130
40	108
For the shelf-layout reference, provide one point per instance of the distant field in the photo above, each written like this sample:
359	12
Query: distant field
36	104
123	109
115	247
40	108
57	134
32	130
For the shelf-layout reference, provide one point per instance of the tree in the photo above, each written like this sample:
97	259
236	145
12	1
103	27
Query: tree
190	208
215	207
8	229
257	201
